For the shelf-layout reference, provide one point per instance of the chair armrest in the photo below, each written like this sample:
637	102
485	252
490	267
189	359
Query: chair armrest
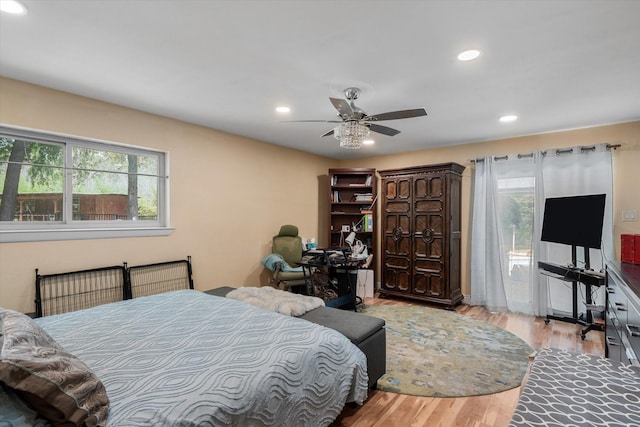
274	274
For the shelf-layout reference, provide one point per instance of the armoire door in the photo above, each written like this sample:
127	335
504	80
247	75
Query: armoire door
429	235
396	223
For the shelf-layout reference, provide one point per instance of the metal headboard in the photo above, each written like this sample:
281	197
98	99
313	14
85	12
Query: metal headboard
160	277
76	290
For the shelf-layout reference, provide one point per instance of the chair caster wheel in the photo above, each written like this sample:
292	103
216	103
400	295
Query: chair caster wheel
546	321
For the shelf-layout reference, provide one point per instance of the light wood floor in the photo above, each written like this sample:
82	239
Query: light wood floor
385	409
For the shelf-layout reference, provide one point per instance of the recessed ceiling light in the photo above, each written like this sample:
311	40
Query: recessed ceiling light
368	142
469	55
283	109
13	7
508	118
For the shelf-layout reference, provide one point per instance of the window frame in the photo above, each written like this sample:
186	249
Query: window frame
77	230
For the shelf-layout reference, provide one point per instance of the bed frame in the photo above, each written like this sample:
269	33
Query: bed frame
161	277
77	290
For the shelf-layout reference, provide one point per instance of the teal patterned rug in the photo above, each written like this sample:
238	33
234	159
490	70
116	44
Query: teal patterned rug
437	353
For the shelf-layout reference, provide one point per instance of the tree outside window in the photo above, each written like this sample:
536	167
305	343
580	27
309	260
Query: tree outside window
53	180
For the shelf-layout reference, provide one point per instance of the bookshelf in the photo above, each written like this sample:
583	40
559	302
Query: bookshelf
352	195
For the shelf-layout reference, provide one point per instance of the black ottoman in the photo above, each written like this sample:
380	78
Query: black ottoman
366	332
220	292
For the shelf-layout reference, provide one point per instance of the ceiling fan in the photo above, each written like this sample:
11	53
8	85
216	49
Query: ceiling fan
355	124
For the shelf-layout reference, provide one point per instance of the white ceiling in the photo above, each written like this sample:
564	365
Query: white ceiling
227	64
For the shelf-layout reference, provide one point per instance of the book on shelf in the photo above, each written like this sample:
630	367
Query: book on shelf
368	180
335	196
363	197
367	222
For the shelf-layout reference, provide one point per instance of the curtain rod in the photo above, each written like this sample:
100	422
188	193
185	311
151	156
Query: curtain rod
557	150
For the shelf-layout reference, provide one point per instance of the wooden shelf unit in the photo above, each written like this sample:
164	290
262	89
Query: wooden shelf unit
352	195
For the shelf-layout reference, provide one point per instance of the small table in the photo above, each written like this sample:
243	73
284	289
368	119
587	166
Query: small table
340	268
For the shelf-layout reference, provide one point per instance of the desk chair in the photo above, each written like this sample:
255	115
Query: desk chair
288	245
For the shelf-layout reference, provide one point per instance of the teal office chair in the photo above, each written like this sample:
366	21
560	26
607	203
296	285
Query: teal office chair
283	262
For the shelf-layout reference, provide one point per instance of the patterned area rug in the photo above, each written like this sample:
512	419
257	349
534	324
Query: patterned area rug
437	353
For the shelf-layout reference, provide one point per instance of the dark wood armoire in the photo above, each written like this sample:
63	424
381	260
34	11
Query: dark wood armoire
420	217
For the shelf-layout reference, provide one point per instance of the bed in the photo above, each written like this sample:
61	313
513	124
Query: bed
571	389
192	359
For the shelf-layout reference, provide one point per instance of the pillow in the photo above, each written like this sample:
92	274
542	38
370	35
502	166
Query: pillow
58	385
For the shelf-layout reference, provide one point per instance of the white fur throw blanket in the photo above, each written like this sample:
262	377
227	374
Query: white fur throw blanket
276	300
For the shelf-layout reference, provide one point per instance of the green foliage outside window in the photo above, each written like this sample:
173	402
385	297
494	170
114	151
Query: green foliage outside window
33	179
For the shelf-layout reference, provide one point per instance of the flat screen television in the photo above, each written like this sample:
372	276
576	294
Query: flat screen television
574	220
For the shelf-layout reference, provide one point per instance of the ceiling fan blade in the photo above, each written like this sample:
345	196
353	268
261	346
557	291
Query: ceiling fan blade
394	115
327	133
382	129
311	121
342	106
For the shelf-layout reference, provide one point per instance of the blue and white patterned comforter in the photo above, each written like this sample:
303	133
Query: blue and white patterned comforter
191	359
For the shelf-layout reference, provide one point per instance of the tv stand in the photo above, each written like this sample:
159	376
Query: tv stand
576	276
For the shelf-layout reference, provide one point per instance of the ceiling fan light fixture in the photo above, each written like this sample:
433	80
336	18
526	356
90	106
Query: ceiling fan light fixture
351	135
368	142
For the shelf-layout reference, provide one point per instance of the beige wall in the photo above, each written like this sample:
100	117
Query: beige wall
626	170
230	194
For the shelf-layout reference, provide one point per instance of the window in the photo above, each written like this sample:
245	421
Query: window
58	187
514	202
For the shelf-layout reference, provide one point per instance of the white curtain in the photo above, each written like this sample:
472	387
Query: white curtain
508	203
486	266
578	172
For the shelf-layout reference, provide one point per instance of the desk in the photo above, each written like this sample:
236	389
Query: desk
342	270
576	276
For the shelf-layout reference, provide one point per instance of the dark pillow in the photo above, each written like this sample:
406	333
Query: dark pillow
58	385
